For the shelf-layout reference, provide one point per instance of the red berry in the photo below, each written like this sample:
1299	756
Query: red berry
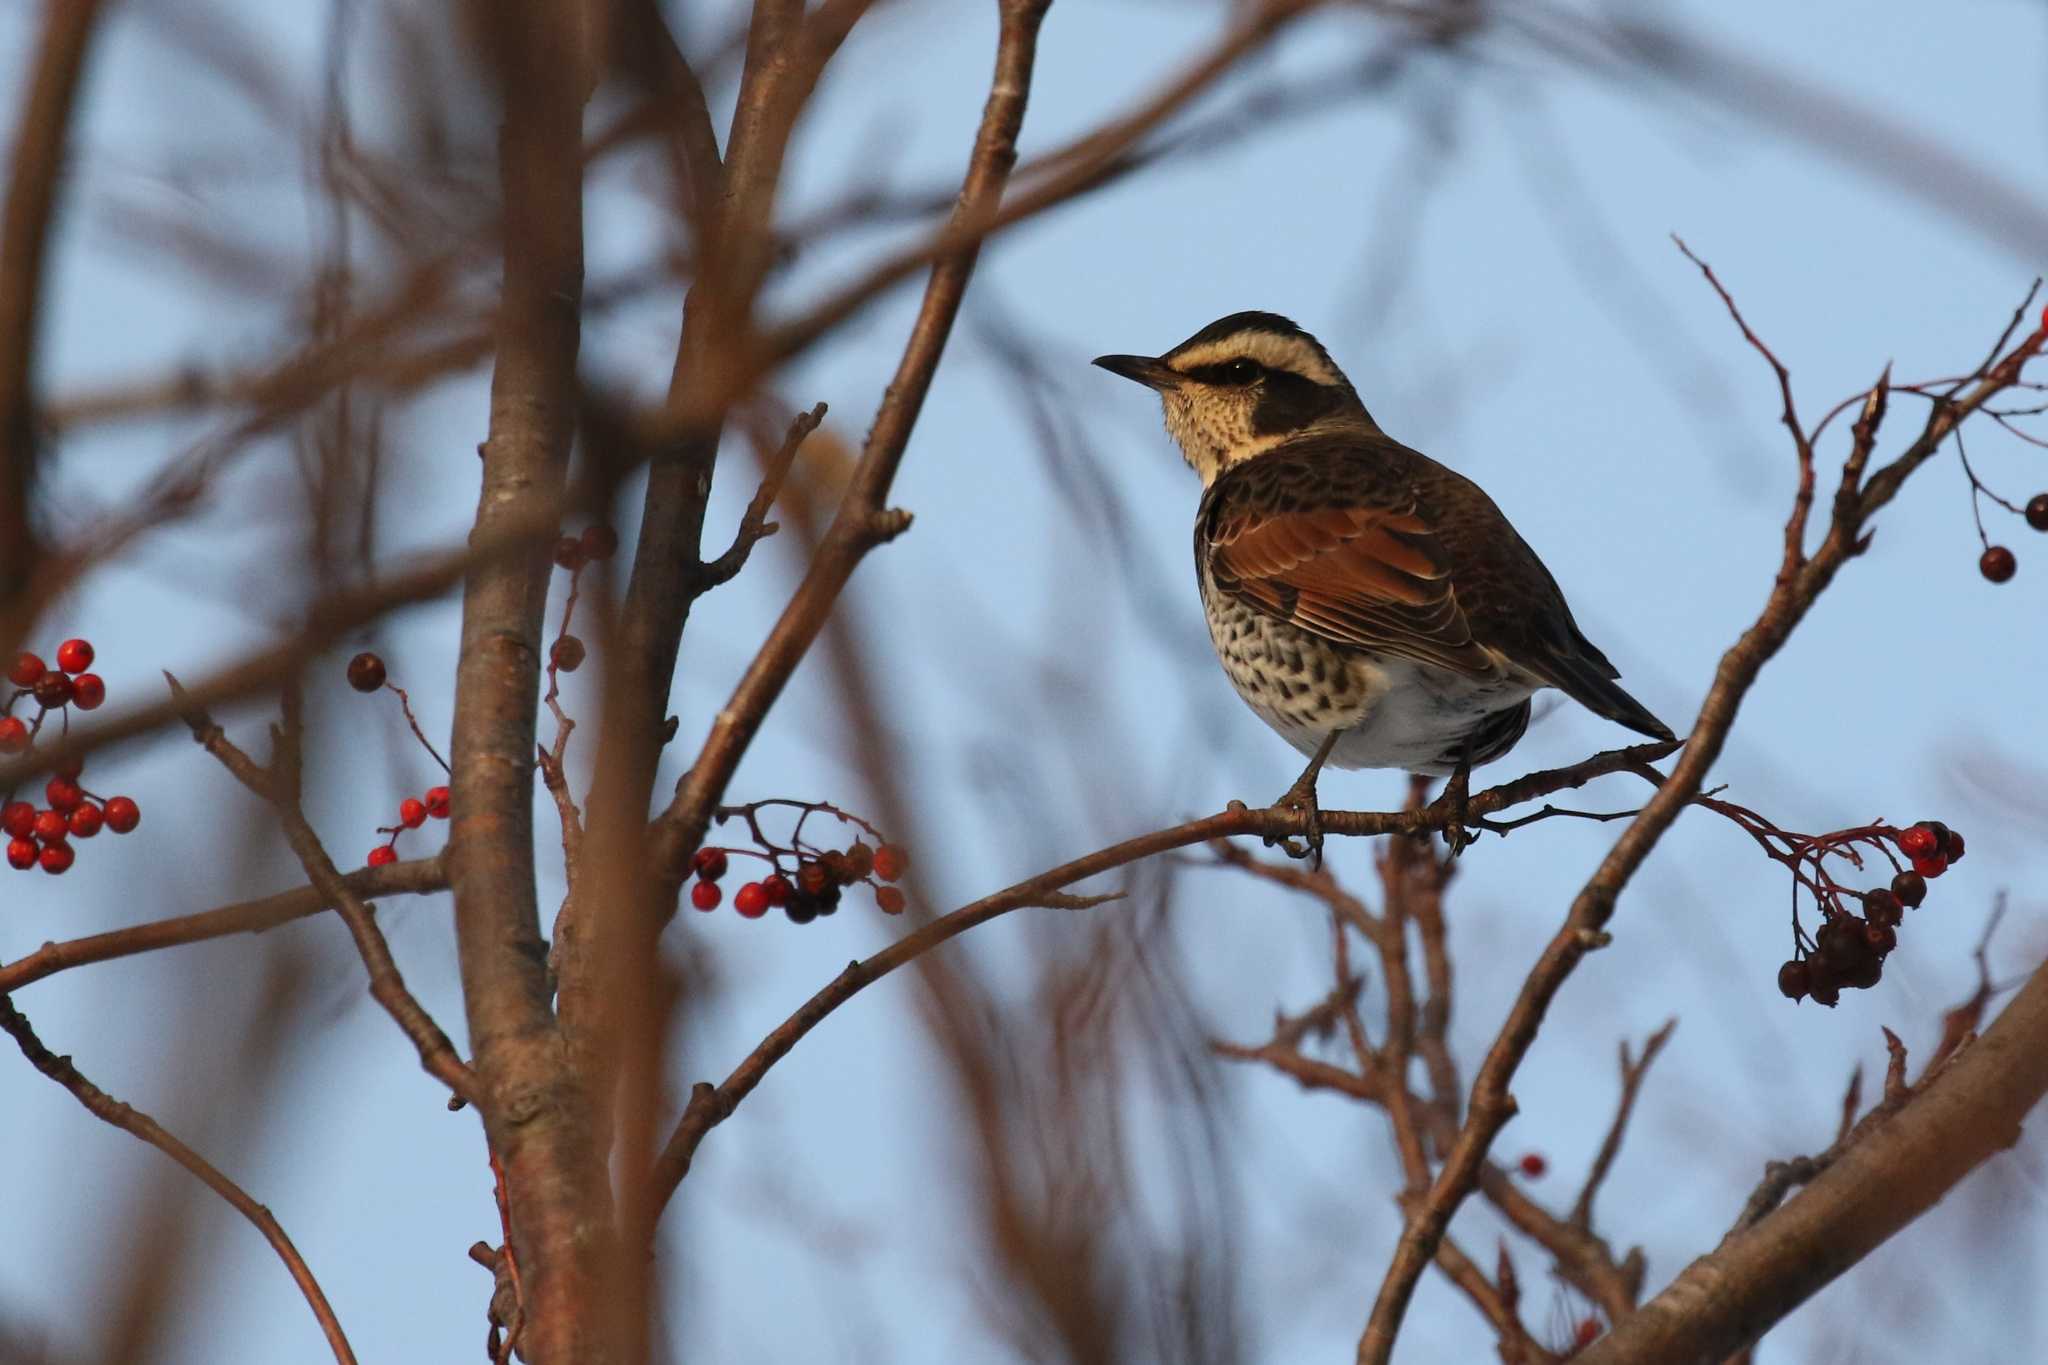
74	656
1954	848
890	899
13	735
52	826
891	862
710	865
86	820
57	858
705	896
21	854
1587	1333
62	793
569	553
54	689
27	668
567	654
18	819
123	814
1916	842
1997	564
437	802
1533	1165
599	542
1933	865
366	672
383	855
90	690
776	888
750	900
412	813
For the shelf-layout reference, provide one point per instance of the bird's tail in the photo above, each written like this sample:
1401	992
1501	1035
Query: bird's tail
1593	687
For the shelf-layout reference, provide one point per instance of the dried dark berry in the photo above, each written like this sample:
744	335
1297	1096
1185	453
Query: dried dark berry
1882	938
802	908
1997	564
1793	979
2037	511
366	672
1910	888
1954	847
1882	907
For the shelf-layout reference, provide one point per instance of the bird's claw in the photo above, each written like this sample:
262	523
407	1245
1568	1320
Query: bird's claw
1301	797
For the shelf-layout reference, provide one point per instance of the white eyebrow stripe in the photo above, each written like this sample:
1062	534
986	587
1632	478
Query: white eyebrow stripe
1274	352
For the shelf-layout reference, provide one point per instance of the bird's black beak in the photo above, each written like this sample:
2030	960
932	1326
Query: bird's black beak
1143	369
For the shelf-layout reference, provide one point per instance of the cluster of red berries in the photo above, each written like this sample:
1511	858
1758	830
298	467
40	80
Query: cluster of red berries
1849	949
68	684
814	891
412	813
1999	564
42	838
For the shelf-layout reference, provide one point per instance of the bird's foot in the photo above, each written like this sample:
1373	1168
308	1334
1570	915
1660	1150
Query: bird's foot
1456	804
1302	797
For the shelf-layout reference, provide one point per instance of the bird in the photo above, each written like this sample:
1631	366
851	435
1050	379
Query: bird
1372	606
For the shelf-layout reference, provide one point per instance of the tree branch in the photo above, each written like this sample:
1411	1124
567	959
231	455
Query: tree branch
131	1120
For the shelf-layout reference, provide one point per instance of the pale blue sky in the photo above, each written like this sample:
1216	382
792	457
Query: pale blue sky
1485	248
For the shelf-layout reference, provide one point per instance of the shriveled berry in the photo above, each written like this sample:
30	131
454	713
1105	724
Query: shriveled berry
57	858
52	827
88	691
709	864
13	735
751	901
74	656
383	855
2037	511
1940	832
569	553
1827	993
599	541
1954	847
1931	866
412	812
860	858
1882	938
62	793
776	888
802	908
567	654
890	899
891	862
437	802
838	866
1882	907
1794	979
828	899
54	689
18	819
86	819
1910	888
1997	564
123	814
812	879
1533	1165
26	669
21	854
705	896
1916	842
366	672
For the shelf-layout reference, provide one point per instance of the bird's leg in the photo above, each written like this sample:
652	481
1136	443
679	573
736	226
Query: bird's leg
1302	797
1457	798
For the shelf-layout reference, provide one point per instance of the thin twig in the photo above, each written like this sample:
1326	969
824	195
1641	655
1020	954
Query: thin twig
131	1120
1632	1072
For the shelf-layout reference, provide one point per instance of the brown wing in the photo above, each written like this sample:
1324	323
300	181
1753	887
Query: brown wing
1364	571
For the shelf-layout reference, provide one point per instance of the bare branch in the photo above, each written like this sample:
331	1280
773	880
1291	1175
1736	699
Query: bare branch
1632	1072
131	1120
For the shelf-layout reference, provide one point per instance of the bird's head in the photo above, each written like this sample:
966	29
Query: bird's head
1241	386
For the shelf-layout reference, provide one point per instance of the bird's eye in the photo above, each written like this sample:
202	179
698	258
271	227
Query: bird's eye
1240	371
